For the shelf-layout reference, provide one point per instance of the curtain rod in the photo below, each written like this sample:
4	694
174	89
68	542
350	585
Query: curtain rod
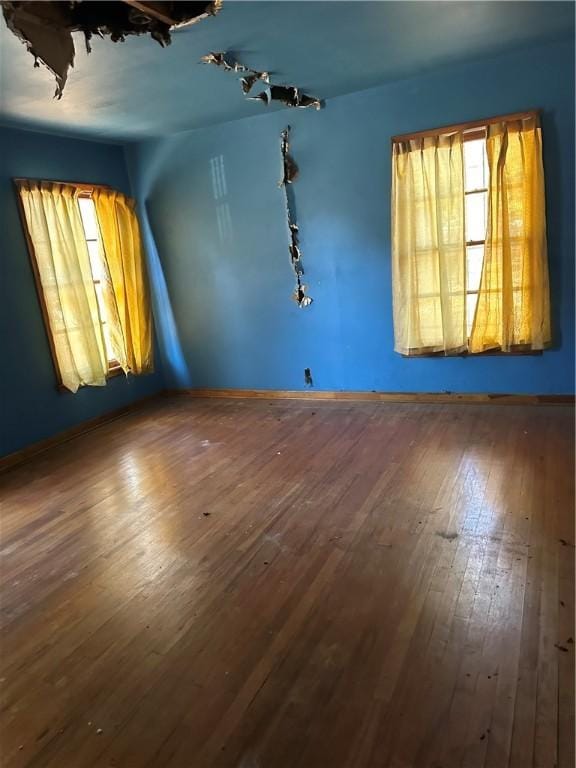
456	127
77	184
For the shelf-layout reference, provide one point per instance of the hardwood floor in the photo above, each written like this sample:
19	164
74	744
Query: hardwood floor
253	584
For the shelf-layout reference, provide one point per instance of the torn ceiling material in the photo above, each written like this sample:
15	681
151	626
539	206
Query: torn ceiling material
46	27
289	174
228	64
286	94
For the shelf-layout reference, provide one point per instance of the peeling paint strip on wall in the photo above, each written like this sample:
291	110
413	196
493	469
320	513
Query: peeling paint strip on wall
289	174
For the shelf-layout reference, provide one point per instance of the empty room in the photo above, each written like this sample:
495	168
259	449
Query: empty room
287	325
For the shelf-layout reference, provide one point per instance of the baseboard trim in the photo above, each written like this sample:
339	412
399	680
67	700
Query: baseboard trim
385	397
24	454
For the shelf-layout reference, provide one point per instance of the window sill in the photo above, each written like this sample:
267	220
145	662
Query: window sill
488	353
114	370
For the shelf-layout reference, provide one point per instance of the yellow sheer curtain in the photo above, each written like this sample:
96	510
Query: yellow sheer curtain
428	245
128	297
61	254
513	307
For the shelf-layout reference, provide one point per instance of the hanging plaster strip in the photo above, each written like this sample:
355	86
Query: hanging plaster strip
228	64
289	174
289	95
46	27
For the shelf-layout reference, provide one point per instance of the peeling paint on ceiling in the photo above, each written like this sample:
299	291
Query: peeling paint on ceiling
136	89
46	27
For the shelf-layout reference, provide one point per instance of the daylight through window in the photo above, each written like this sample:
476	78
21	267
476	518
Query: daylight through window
98	266
476	214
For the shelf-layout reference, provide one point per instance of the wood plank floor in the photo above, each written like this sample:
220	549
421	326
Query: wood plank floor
253	584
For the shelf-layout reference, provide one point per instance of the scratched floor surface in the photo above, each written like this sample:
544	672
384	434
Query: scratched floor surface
253	584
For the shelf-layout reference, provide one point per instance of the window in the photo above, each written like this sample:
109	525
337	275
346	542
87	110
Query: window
98	266
469	260
475	215
87	259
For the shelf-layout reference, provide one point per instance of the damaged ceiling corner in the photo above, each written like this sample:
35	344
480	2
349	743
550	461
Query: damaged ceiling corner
46	27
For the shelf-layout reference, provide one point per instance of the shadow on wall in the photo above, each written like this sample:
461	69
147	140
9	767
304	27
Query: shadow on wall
175	366
553	159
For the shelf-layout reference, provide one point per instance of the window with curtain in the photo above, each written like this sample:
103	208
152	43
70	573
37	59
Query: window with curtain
469	259
87	259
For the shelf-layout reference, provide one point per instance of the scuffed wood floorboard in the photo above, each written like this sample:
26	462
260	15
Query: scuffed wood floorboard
290	584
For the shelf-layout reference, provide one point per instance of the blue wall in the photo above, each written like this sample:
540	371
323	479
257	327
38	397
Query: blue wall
224	278
31	408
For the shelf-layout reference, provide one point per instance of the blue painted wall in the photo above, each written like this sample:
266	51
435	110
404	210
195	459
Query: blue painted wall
223	277
31	408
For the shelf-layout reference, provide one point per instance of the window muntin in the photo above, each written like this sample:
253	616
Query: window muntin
476	218
92	236
475	222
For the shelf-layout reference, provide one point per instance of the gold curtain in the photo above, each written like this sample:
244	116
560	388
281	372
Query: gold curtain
61	255
513	309
428	245
128	296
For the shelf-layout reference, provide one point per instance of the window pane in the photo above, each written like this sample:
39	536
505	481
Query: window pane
95	260
474	259
88	213
476	216
471	301
100	297
99	287
109	353
475	164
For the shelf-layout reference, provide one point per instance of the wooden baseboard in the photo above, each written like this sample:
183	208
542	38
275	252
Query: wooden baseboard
384	397
19	457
